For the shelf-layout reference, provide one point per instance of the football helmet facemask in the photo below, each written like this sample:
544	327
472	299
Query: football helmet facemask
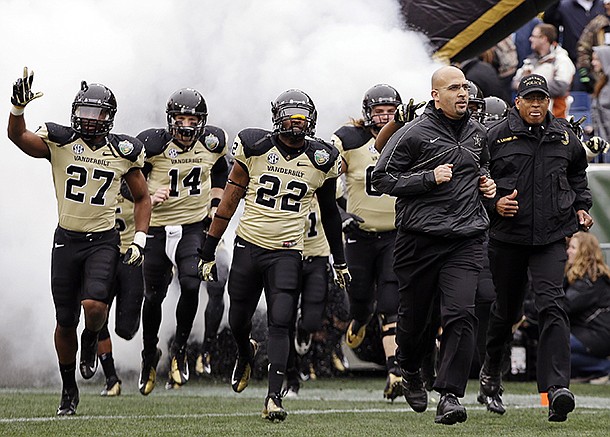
290	105
476	103
380	94
93	110
186	101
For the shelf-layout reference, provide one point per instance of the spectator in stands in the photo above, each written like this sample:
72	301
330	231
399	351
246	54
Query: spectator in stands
521	37
596	33
587	302
550	60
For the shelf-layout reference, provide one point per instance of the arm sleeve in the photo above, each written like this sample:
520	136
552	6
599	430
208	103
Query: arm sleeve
331	219
219	173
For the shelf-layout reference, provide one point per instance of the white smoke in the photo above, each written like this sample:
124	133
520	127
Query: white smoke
240	54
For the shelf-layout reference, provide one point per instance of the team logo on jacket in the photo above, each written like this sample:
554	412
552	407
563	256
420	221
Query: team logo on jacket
273	158
566	138
211	142
478	141
78	149
321	156
173	153
125	147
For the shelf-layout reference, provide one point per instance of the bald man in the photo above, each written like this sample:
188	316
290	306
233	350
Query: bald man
437	167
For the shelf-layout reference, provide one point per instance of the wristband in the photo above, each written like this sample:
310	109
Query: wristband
17	110
215	202
140	239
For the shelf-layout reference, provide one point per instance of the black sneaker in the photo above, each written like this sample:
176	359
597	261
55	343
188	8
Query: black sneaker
88	357
449	410
561	402
69	402
494	404
393	385
490	382
148	373
243	369
414	391
179	366
273	410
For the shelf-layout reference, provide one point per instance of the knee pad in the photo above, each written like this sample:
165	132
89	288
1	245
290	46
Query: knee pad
388	324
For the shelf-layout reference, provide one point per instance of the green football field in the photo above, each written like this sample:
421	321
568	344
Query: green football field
326	407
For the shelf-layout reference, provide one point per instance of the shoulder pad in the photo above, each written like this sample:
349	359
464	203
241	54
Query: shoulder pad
322	154
353	137
214	139
255	141
127	147
61	135
155	141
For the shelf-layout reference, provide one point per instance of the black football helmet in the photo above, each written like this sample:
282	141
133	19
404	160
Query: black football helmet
186	101
380	94
93	110
495	109
476	102
294	104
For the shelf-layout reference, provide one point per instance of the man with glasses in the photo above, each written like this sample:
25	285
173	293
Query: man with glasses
436	166
539	166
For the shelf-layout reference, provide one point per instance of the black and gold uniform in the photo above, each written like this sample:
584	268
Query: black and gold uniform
87	184
177	225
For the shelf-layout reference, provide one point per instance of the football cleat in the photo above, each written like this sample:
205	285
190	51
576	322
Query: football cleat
449	410
340	363
292	391
393	386
148	373
171	384
243	369
88	357
273	410
112	387
203	364
179	367
302	339
69	402
414	391
355	334
494	404
490	382
561	402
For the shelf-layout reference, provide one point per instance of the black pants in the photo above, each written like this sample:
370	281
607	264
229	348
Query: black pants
509	266
428	268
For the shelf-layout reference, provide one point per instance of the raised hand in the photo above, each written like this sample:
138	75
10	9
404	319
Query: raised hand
22	90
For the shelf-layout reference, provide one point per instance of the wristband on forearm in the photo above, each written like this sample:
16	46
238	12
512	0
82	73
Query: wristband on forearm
208	252
140	239
17	110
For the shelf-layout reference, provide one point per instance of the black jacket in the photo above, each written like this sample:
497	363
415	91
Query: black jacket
406	170
549	173
588	306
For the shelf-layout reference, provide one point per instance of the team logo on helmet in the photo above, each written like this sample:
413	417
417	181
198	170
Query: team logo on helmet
273	158
173	153
321	156
125	147
78	149
212	142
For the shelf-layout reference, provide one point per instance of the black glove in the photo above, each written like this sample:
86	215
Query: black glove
342	276
597	145
134	255
22	90
406	113
576	125
586	79
349	222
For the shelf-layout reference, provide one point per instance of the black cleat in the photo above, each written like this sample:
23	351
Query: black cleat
148	373
112	387
302	339
494	404
273	410
561	402
490	382
179	366
243	369
88	357
393	386
449	410
69	402
203	364
414	391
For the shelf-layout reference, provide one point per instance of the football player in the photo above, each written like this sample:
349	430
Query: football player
278	174
368	224
186	170
88	162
